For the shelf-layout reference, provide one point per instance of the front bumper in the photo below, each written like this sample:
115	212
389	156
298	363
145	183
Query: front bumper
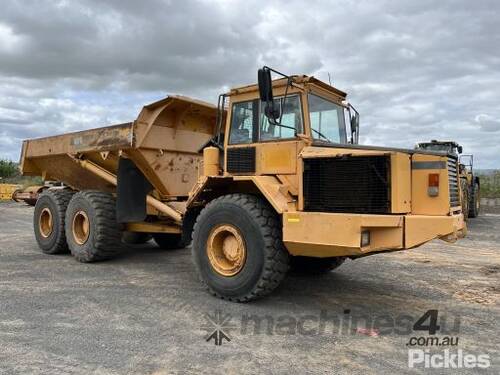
332	234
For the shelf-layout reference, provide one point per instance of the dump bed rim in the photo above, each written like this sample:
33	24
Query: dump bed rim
181	98
77	142
123	124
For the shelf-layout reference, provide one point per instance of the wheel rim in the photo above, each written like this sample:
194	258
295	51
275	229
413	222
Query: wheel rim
80	227
226	250
45	223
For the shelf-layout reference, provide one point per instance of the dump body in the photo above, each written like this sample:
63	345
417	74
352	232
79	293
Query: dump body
163	142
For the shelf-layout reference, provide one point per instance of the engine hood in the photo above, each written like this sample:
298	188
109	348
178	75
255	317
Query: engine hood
325	149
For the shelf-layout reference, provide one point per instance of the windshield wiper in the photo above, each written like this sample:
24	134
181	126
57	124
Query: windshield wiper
321	135
286	127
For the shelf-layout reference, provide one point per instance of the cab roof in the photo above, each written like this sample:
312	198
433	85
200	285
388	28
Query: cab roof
297	79
435	142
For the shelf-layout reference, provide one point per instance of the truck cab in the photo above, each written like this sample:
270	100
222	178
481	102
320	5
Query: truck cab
295	143
309	112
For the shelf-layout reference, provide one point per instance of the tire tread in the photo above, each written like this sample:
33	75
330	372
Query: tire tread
276	262
61	200
107	239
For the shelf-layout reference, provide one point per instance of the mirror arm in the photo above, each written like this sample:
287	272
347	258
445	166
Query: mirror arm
265	67
355	132
352	118
220	117
354	109
270	111
282	101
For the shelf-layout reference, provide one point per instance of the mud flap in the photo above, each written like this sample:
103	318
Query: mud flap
131	193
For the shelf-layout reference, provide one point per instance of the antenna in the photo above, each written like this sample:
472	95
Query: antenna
329	79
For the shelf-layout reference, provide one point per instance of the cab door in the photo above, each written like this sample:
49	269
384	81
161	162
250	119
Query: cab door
256	146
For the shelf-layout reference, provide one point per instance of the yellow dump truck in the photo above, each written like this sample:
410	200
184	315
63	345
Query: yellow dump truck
469	182
6	191
270	178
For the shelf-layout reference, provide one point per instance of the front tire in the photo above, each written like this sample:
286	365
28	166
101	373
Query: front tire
49	219
237	248
474	201
91	228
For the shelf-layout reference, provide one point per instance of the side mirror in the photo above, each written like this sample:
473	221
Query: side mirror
355	129
266	94
265	85
459	149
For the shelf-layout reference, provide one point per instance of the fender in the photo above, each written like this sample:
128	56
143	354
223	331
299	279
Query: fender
270	187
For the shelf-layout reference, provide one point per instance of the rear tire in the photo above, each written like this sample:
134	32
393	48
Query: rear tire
169	241
91	228
15	193
247	231
464	199
314	266
49	219
475	199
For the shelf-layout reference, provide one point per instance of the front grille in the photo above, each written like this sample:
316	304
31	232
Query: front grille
241	160
355	184
453	182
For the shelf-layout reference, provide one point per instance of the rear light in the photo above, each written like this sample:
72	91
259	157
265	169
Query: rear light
433	187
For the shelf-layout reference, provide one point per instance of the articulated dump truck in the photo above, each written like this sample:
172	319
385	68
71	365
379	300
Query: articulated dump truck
271	178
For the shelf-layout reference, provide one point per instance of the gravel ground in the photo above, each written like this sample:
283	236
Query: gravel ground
146	313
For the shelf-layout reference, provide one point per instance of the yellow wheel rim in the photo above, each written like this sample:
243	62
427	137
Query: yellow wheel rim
226	250
45	222
81	227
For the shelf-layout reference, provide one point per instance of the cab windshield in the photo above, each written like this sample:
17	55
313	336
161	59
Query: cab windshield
327	120
437	147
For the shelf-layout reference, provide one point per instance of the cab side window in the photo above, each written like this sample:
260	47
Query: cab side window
242	123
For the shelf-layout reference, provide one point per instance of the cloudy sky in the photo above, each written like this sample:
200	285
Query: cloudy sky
415	70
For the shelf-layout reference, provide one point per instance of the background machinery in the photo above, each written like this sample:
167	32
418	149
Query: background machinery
469	181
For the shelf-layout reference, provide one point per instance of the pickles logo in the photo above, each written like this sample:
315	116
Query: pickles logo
446	359
218	326
431	357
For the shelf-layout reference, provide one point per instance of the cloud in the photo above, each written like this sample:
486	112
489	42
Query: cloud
415	70
9	42
488	123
